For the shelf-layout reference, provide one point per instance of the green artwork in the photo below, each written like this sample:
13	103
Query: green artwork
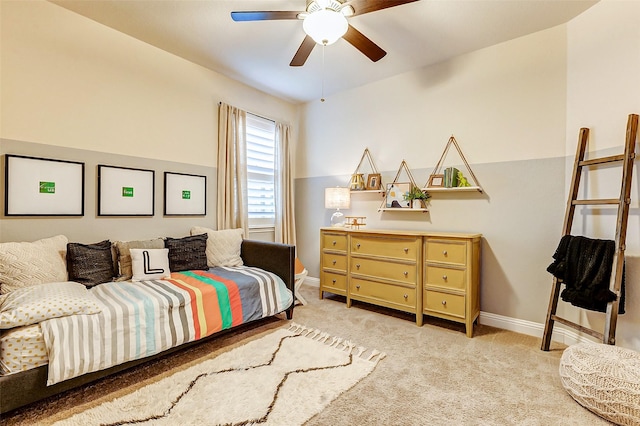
186	195
127	191
47	187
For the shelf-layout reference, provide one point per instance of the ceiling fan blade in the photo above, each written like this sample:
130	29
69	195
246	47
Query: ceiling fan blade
364	44
366	6
303	52
263	16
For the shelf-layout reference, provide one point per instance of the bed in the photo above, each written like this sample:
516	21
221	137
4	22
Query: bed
136	321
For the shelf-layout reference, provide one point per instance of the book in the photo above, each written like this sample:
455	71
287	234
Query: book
450	177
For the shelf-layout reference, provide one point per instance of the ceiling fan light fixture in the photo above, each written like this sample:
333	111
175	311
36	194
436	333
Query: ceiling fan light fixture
325	26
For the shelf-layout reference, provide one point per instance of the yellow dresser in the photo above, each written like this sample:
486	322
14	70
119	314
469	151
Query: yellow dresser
436	274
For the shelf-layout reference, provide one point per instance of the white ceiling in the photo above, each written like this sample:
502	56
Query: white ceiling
414	35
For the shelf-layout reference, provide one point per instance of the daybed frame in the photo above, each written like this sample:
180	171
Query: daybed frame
19	389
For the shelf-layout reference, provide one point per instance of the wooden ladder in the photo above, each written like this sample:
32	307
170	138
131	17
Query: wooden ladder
627	160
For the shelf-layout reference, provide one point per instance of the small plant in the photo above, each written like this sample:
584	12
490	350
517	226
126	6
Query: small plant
417	194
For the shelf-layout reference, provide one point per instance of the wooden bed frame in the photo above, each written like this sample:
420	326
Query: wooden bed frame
17	390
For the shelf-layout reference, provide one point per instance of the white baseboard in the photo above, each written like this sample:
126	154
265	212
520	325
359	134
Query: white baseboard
530	328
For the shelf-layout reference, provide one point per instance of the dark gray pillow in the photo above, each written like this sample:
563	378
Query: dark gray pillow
188	253
90	264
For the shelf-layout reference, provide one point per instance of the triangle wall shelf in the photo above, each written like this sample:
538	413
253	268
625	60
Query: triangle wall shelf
436	182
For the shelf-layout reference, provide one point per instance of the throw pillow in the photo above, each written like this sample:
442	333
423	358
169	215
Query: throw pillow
223	247
188	253
124	257
37	303
150	264
90	264
24	264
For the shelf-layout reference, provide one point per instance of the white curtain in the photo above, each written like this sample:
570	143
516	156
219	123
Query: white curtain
232	169
285	219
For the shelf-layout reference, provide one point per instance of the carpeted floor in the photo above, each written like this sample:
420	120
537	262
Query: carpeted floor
432	375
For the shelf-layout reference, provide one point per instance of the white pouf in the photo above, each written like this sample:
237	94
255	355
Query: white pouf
604	379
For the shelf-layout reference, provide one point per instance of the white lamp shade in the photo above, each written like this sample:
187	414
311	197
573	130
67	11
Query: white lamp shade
325	26
337	198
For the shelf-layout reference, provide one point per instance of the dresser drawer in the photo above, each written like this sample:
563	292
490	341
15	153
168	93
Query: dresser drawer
334	242
381	292
397	248
331	281
444	303
334	261
446	251
446	277
404	273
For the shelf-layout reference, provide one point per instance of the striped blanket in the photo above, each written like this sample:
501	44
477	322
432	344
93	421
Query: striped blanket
144	318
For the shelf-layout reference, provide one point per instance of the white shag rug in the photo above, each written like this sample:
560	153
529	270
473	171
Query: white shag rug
283	378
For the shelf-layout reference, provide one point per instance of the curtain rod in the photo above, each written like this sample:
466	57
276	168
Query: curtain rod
253	113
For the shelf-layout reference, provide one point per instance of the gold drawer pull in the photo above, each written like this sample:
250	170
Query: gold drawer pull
357	266
406	250
444	303
334	261
334	281
358	245
406	273
358	287
444	277
406	296
444	252
334	242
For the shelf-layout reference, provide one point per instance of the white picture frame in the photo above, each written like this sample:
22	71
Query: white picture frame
43	187
124	191
185	194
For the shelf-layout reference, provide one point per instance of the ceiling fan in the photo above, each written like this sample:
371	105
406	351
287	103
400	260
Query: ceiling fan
325	21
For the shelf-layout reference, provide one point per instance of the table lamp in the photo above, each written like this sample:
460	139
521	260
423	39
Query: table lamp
337	198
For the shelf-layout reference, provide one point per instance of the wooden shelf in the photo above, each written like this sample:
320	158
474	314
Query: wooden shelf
402	209
357	191
455	189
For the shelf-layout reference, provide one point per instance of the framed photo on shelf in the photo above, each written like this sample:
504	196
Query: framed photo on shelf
436	181
43	187
374	181
124	191
184	194
394	197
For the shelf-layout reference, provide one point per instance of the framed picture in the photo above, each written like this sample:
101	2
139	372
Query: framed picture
395	195
124	191
373	181
436	181
184	194
43	187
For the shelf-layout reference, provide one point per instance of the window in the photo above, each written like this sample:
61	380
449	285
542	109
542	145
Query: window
261	155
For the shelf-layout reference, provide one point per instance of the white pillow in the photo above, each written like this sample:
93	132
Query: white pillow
223	247
25	264
37	303
150	264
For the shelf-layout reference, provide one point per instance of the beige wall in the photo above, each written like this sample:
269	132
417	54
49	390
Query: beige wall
75	89
515	109
69	81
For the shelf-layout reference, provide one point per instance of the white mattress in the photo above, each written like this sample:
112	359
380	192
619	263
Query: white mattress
21	349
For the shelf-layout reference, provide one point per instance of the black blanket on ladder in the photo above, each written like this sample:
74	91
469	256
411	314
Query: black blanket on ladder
584	266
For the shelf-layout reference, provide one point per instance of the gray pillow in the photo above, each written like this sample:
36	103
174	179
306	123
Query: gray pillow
90	264
188	253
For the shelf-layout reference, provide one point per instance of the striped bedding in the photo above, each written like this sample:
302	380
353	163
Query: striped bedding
140	319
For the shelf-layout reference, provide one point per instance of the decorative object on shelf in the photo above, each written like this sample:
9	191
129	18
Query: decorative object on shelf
452	179
355	222
373	182
337	198
357	182
417	197
397	196
436	181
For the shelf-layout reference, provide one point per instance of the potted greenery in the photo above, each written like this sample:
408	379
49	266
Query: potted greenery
417	197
